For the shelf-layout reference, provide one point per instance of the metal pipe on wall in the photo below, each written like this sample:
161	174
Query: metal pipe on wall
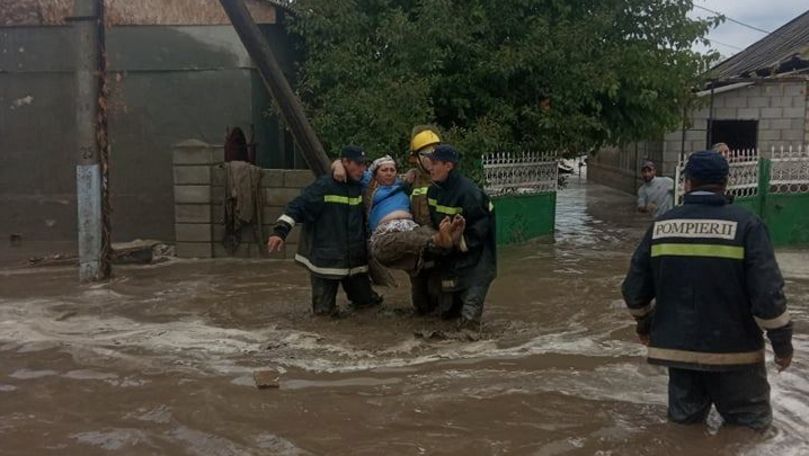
710	117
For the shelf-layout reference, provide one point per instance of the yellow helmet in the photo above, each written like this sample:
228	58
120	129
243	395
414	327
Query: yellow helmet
423	139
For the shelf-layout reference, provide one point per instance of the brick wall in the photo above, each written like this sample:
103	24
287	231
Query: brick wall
780	107
198	195
806	121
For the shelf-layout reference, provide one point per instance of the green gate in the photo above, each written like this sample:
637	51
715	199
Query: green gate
774	186
523	191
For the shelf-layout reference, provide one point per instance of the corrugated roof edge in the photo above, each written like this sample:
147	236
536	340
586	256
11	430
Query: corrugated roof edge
750	51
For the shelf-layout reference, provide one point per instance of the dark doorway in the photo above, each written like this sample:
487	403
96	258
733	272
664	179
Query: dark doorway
737	134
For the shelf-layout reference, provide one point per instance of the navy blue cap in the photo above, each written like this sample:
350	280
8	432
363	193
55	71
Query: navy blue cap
707	167
445	153
354	153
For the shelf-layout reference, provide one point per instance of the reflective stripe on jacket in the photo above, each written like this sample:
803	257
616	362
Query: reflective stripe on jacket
418	199
476	261
706	279
333	237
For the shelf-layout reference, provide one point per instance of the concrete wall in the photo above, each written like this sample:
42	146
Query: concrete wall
619	167
198	204
779	107
168	83
37	162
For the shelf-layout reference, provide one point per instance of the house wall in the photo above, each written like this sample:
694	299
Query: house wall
167	83
780	107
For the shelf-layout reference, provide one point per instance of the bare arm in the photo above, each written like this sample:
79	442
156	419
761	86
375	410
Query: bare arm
338	171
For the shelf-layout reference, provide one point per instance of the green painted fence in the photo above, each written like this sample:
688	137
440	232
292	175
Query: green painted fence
787	217
775	188
523	217
523	191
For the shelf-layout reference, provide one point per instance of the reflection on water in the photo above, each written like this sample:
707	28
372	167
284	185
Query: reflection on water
161	361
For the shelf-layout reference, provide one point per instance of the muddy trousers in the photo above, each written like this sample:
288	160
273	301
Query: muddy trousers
357	288
742	397
425	291
402	249
409	251
466	303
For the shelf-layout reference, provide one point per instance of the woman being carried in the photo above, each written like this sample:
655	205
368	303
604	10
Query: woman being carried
397	241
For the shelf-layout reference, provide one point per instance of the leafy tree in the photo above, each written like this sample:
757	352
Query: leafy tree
497	75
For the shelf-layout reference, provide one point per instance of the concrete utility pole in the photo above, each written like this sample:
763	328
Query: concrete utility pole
277	84
86	23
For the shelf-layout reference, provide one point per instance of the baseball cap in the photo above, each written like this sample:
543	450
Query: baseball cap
354	153
707	166
445	153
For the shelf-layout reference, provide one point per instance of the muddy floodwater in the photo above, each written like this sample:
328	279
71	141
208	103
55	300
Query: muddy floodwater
161	361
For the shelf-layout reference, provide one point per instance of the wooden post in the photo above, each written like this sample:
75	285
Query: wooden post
277	84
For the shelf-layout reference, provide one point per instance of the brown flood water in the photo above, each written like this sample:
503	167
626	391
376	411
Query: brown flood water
160	361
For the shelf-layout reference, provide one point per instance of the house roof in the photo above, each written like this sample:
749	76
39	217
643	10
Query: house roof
784	50
136	12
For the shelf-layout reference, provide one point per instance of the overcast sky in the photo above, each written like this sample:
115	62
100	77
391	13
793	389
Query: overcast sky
764	14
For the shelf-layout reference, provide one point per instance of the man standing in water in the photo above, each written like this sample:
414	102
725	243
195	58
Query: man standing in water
470	268
425	286
710	268
333	241
656	195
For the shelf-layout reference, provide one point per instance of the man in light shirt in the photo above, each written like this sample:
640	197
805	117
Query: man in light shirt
656	195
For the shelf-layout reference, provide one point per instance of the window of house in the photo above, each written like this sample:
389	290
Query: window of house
737	134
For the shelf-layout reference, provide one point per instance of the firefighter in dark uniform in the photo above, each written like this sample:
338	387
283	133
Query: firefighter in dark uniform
703	285
471	266
425	286
333	237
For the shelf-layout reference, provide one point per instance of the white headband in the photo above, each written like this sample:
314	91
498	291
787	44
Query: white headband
386	160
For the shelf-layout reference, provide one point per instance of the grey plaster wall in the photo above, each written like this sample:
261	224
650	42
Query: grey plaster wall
619	167
156	113
167	84
37	162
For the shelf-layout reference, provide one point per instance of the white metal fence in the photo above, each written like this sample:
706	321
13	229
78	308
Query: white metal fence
789	171
520	173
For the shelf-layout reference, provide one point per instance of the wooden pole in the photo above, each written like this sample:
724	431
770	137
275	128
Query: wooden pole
277	84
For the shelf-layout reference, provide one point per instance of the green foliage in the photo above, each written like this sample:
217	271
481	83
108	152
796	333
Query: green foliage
497	75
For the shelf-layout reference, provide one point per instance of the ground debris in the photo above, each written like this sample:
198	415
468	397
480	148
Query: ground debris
430	334
266	379
140	251
54	259
65	315
274	345
135	252
463	335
